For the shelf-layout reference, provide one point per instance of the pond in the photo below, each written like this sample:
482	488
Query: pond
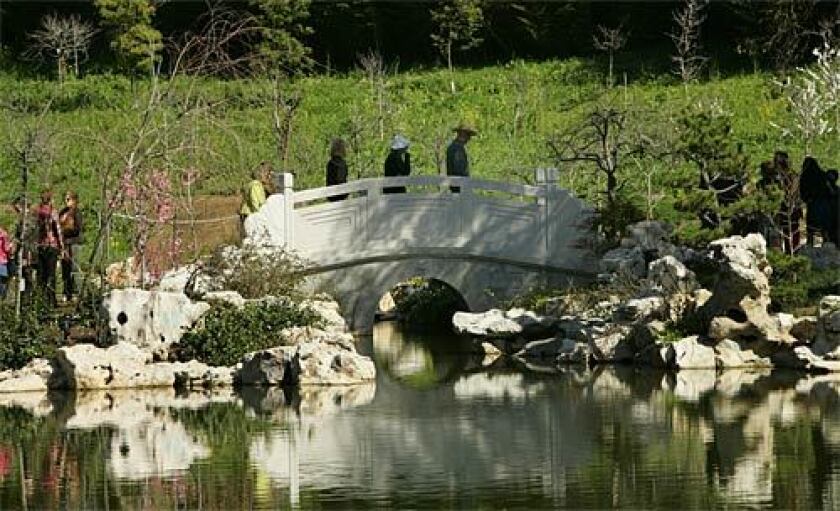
440	428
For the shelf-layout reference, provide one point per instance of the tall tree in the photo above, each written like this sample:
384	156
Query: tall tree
284	25
459	23
136	41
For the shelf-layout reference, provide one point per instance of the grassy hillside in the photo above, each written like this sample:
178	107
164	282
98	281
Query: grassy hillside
516	107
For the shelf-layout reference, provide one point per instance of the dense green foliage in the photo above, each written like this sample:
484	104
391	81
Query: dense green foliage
33	334
517	108
795	284
283	26
136	42
228	332
427	305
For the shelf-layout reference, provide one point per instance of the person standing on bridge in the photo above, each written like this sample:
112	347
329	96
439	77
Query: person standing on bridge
337	167
398	163
457	162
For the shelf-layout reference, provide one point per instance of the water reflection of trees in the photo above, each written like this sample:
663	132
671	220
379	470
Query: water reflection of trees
145	449
578	438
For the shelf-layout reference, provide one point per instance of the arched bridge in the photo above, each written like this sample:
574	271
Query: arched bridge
489	240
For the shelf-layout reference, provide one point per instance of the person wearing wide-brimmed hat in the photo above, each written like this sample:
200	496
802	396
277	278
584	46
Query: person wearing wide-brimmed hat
457	162
398	162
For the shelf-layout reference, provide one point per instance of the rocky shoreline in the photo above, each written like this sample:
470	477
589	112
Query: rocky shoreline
670	321
145	326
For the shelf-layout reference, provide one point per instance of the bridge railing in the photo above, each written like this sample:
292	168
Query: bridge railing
530	224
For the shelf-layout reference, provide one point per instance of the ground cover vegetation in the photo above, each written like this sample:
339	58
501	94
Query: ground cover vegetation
142	113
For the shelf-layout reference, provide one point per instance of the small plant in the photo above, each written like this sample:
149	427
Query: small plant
255	272
33	334
229	332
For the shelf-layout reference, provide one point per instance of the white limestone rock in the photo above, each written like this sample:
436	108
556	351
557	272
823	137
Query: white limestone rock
37	375
803	358
228	297
689	353
176	280
269	368
614	345
533	325
641	309
730	355
124	365
491	324
151	320
671	276
330	312
311	357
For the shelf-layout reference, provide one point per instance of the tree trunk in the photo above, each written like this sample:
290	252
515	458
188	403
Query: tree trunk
449	65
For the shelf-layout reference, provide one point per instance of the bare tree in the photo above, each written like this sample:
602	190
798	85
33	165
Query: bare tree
225	44
686	37
604	140
29	147
285	103
376	72
65	40
609	40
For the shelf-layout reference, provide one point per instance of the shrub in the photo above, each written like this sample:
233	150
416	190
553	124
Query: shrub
796	284
427	305
255	272
229	332
33	334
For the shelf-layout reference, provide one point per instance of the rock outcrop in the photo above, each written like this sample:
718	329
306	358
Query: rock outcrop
310	357
732	322
151	320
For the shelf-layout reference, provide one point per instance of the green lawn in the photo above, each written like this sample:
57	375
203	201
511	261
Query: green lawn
516	107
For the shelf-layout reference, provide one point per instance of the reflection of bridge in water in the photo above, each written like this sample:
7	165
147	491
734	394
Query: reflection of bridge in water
579	438
489	242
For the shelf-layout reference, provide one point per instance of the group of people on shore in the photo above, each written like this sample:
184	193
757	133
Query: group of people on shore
812	194
44	238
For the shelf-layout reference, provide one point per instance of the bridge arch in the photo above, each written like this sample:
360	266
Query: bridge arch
489	242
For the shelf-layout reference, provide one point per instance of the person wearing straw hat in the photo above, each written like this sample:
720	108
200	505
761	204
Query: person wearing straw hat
457	162
398	162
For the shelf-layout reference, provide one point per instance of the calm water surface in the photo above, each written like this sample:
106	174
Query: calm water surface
438	429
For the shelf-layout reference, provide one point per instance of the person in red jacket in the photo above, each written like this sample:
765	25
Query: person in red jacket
49	245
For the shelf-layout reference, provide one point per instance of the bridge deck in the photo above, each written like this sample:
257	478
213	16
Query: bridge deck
521	224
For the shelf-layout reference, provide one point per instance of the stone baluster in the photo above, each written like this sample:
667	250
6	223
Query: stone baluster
547	179
286	186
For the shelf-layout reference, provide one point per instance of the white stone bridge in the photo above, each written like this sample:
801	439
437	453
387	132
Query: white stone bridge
489	242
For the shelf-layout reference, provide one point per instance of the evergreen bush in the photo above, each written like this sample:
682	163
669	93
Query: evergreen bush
229	332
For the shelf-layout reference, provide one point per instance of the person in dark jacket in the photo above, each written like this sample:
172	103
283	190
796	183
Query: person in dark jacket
70	221
457	161
814	191
398	163
834	196
337	167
